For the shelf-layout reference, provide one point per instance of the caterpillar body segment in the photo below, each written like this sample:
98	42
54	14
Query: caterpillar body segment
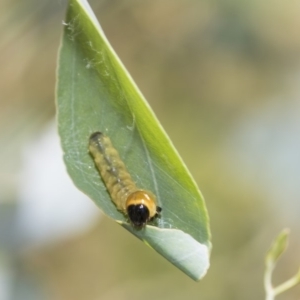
112	169
139	205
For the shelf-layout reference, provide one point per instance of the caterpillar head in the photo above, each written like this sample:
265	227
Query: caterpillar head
141	207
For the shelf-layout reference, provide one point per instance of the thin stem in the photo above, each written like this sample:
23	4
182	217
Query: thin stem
286	285
268	282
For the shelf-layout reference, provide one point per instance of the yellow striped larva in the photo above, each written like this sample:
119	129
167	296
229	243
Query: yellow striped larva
139	205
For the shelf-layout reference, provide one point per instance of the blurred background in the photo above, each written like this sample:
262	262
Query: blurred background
223	78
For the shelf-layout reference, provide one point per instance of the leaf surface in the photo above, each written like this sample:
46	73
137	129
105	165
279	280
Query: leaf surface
96	93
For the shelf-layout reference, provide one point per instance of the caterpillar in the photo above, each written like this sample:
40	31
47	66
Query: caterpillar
140	205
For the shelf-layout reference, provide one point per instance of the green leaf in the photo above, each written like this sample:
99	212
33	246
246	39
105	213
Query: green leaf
95	93
278	247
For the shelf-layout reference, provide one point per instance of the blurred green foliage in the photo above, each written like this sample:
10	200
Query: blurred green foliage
204	67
